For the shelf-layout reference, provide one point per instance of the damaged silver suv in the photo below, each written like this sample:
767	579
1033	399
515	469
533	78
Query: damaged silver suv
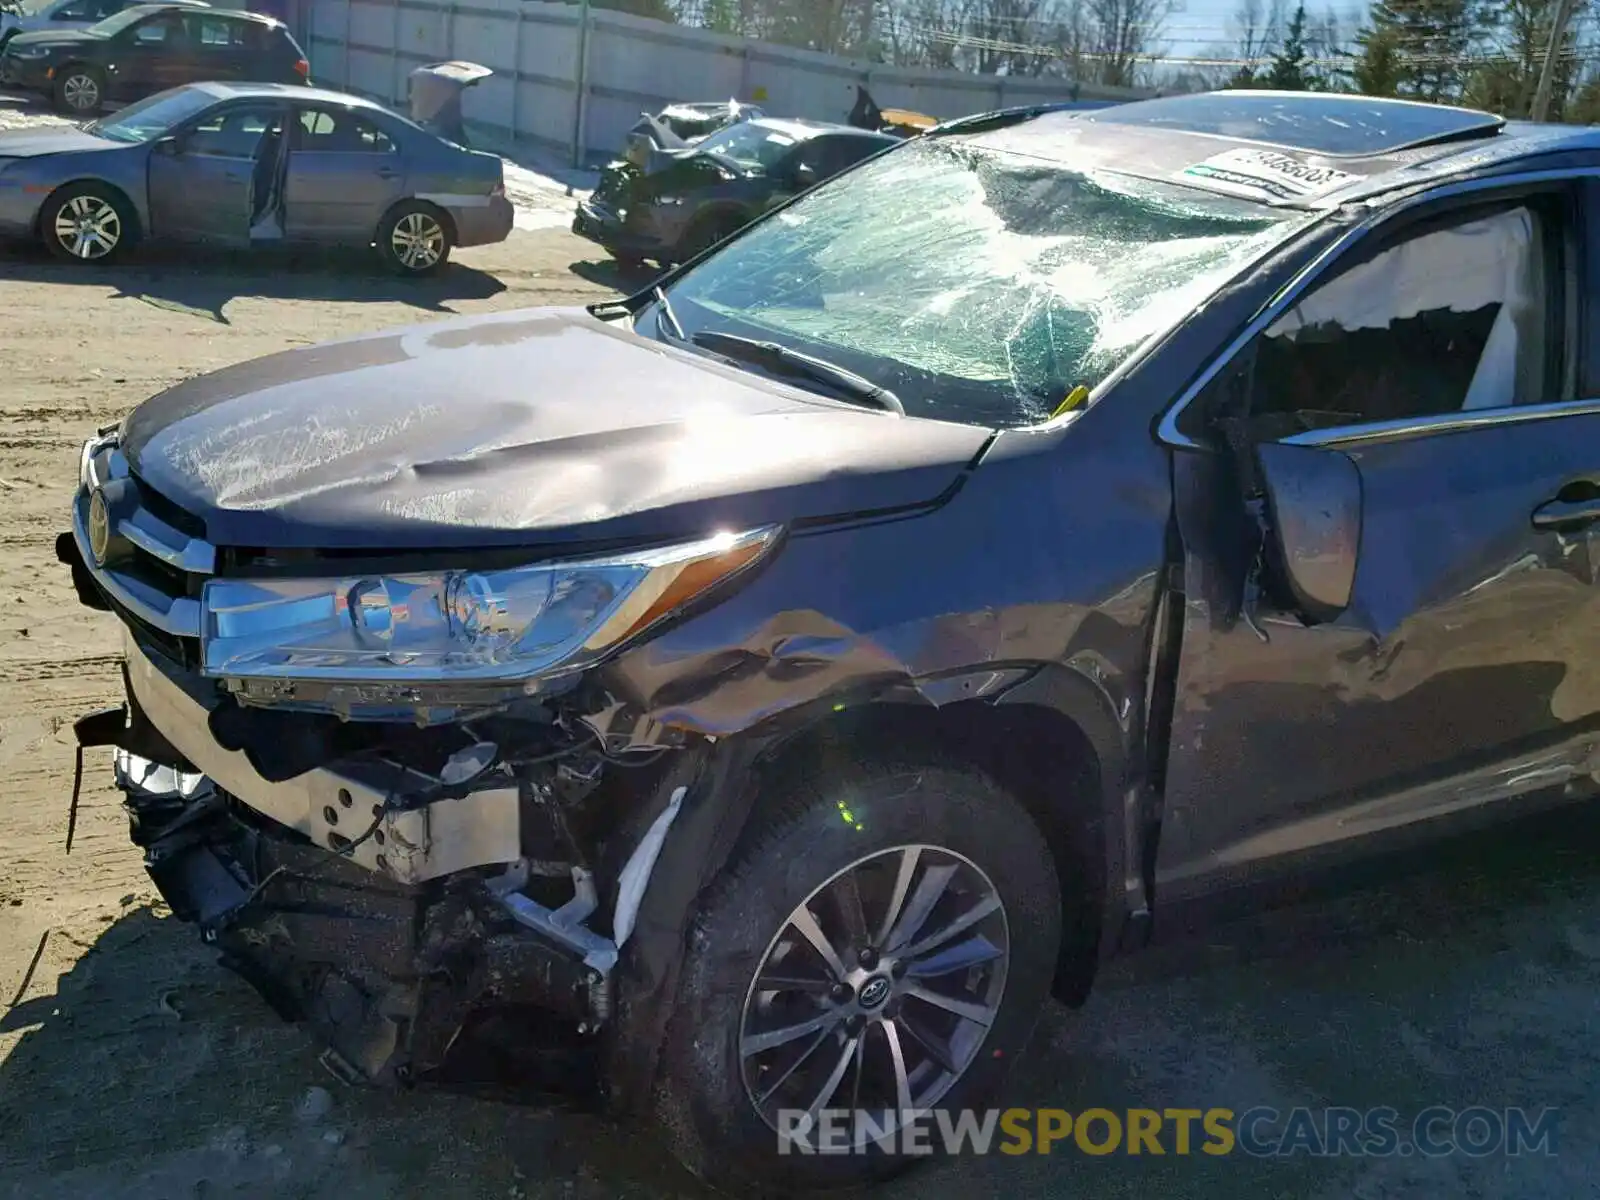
768	689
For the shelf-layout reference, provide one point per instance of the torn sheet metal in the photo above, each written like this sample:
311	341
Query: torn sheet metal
334	808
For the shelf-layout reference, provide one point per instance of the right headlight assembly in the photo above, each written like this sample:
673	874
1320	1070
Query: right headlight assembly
459	626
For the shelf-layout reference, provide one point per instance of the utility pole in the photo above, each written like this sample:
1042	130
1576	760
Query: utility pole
580	106
1552	52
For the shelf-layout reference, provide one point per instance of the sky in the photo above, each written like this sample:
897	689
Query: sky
1202	26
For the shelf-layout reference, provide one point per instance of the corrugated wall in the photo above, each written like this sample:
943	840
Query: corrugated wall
634	65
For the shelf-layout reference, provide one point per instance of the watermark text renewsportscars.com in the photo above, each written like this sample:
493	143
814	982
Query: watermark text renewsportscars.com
1259	1132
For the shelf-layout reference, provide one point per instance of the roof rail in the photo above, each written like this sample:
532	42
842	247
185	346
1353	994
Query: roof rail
1000	118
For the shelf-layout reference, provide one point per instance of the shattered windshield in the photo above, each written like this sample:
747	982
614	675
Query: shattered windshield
980	285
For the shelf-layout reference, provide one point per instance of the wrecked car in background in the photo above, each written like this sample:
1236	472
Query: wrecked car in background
682	125
42	16
251	164
784	679
684	201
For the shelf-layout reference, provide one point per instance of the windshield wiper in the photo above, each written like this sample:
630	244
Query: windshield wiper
784	361
665	310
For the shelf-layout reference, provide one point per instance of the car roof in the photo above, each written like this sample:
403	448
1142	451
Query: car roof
256	91
1290	149
258	18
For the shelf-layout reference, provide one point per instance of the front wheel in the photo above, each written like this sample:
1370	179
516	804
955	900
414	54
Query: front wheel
414	239
704	234
879	952
86	222
80	91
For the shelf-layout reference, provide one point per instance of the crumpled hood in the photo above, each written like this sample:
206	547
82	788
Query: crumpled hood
27	143
529	428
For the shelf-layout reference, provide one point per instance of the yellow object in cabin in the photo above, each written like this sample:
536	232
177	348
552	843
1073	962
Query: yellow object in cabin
1074	400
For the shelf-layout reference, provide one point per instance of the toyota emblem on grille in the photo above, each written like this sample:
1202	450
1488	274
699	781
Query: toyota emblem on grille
99	528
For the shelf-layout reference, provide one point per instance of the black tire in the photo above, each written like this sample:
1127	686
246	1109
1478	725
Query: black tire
631	264
415	239
706	233
103	220
80	90
813	833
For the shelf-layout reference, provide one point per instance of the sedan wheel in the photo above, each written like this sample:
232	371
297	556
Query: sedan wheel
84	224
418	241
414	239
80	92
877	994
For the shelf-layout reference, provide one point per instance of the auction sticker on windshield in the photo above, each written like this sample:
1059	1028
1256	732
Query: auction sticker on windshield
1264	175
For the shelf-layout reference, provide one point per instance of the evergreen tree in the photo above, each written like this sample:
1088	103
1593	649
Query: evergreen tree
1377	71
1289	70
1506	82
1421	49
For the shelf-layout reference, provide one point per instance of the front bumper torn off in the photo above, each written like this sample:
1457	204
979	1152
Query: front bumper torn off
333	806
386	951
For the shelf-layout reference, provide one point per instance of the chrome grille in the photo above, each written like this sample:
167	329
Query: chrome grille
150	568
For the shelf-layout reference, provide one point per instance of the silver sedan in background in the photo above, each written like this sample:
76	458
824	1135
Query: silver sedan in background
252	164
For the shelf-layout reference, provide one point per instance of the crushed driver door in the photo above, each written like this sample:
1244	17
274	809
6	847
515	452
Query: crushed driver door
1391	572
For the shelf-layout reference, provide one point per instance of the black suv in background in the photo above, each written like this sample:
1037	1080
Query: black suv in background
150	48
686	200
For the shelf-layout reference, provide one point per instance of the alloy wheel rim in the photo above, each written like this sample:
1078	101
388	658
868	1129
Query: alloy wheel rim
878	992
418	241
81	92
88	227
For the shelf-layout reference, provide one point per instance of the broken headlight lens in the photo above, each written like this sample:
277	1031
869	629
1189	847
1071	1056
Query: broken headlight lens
508	624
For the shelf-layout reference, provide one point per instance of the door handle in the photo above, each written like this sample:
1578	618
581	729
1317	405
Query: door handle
388	173
1560	515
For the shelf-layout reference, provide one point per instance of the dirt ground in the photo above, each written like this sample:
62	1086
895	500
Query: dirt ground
132	1068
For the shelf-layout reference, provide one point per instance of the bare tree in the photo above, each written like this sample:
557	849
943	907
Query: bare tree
923	33
1123	34
1256	27
1326	46
1067	40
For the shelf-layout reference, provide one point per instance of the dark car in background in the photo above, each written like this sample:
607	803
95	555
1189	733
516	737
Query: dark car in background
250	164
687	200
147	49
58	16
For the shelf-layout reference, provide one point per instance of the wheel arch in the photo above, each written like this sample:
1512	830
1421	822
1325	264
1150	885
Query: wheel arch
726	213
84	64
445	218
1071	779
134	216
1051	741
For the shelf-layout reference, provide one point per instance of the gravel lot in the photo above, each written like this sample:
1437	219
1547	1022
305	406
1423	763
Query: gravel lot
132	1068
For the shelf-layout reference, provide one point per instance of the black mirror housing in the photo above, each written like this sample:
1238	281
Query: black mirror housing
1314	508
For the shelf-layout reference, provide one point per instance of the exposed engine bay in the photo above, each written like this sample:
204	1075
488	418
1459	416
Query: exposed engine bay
414	923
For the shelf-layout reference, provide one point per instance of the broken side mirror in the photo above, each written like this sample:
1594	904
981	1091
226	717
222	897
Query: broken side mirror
1313	500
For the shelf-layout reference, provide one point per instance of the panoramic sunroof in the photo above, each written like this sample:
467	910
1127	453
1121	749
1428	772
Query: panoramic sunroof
1354	126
